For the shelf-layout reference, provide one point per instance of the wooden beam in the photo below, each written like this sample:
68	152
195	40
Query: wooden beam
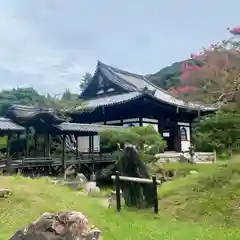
133	179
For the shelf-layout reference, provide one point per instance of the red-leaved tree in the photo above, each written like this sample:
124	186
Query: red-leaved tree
214	74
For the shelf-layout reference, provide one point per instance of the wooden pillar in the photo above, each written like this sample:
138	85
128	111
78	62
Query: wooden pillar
35	144
47	145
155	195
177	140
161	124
92	155
118	191
76	138
9	158
90	145
27	142
19	146
77	155
63	154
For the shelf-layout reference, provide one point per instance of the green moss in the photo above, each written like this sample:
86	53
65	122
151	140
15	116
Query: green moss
33	197
211	195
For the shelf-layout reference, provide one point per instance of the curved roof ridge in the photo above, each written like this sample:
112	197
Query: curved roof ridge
122	71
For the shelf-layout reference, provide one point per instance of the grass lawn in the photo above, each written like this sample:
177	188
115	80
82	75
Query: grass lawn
32	197
212	195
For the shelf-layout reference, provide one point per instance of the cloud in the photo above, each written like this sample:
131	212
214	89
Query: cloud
29	59
50	44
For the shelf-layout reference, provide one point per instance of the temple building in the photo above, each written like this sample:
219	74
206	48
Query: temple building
117	97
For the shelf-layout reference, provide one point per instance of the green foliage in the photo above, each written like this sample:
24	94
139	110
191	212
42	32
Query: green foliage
146	139
28	96
212	194
3	141
180	169
220	131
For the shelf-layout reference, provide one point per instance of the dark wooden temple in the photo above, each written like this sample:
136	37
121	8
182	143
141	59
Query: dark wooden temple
117	97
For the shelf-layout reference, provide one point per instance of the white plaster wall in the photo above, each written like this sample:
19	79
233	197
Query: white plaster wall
83	143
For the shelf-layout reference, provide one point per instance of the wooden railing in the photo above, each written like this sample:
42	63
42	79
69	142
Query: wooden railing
47	161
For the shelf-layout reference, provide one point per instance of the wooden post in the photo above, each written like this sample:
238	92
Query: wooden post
155	194
92	155
154	182
46	145
35	144
76	137
18	143
27	146
48	142
77	155
63	154
214	156
9	159
118	191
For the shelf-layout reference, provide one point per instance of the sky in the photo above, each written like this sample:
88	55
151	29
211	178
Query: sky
50	44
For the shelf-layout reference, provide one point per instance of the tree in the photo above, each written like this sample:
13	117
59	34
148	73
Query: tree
84	81
132	161
30	97
219	131
146	139
214	76
67	95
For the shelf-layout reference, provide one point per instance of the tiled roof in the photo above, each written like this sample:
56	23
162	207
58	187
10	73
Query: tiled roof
7	124
16	112
123	98
132	82
81	127
110	100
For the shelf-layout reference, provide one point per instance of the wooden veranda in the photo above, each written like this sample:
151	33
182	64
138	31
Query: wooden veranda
48	163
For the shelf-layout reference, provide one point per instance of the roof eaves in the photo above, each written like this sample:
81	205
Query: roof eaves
109	101
7	124
81	127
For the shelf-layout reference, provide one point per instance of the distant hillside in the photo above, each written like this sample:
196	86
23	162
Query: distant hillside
169	76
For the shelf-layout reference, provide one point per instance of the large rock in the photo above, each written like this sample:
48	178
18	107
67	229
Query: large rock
60	226
5	192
